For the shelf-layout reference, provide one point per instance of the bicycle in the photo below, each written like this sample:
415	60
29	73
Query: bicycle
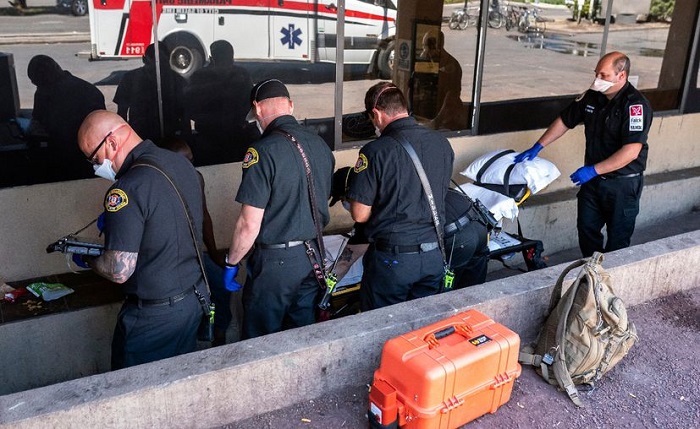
461	19
512	16
531	21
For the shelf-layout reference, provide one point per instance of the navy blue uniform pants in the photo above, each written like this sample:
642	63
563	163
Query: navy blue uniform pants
469	251
613	203
146	334
280	292
389	278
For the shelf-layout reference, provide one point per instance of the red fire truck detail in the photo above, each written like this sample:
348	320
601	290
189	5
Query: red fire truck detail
302	30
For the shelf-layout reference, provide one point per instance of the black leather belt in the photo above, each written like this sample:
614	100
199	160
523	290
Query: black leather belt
133	299
455	226
280	245
411	248
619	176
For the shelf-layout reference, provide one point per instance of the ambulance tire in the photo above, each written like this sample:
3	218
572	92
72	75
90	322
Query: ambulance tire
79	7
186	56
385	61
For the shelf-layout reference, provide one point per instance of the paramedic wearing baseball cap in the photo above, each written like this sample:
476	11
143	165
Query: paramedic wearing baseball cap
617	118
403	261
281	290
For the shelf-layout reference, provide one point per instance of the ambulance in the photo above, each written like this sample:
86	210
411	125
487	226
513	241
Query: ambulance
300	30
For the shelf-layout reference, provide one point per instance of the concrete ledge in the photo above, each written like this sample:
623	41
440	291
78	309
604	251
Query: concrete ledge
226	384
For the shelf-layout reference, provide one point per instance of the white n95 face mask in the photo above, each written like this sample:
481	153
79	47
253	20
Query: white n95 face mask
601	85
377	132
105	170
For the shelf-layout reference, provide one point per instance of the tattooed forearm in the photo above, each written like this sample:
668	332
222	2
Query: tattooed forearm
115	265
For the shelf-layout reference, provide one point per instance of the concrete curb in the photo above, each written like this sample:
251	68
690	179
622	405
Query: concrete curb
227	384
36	38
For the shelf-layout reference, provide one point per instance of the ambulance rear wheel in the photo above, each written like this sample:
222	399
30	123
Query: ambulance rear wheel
385	61
185	59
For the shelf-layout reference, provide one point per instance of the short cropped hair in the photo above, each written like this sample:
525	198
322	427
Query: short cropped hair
387	97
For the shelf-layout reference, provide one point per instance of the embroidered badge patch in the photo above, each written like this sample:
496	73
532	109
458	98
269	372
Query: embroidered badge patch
250	158
636	117
361	163
116	200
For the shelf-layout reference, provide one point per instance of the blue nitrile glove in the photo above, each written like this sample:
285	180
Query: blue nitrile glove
79	261
101	222
230	282
530	153
583	175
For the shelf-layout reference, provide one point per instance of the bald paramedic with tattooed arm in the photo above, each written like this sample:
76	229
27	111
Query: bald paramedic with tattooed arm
617	118
149	248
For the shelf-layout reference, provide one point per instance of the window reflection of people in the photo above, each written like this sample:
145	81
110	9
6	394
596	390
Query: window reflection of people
217	102
137	97
452	113
61	102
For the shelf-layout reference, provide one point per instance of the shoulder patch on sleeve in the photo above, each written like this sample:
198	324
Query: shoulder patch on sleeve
116	199
361	163
636	117
251	157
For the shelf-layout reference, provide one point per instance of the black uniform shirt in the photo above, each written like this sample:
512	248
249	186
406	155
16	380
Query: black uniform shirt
456	205
612	124
386	179
145	215
274	179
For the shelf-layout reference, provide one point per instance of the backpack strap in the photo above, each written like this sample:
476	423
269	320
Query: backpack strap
527	355
561	373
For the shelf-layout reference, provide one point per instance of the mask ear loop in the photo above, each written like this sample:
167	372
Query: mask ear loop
385	89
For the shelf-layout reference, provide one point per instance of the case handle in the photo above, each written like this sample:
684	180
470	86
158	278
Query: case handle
461	329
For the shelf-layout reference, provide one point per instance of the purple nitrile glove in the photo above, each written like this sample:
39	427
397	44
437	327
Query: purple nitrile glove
230	282
79	261
583	175
530	153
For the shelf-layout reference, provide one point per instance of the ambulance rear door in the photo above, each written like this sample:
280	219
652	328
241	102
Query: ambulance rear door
292	29
246	25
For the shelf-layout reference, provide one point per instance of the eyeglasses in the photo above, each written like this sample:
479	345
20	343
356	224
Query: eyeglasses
91	157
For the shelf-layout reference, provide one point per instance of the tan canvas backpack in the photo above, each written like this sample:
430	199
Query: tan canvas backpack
586	333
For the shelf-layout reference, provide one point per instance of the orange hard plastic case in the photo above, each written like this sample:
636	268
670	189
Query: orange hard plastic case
445	374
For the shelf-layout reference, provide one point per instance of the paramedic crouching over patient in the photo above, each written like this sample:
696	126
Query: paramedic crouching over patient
617	118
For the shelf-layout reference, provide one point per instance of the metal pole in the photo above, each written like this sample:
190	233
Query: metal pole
339	74
158	81
689	73
608	14
479	65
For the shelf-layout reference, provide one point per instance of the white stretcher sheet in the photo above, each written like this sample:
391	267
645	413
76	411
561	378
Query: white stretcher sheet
500	205
536	173
332	244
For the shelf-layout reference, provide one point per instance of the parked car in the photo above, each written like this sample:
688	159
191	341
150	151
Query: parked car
76	7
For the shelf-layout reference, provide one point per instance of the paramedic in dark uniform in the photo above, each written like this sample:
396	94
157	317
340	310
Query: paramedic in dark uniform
403	261
617	118
149	247
281	289
466	241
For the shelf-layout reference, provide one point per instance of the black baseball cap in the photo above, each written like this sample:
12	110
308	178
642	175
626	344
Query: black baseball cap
269	88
